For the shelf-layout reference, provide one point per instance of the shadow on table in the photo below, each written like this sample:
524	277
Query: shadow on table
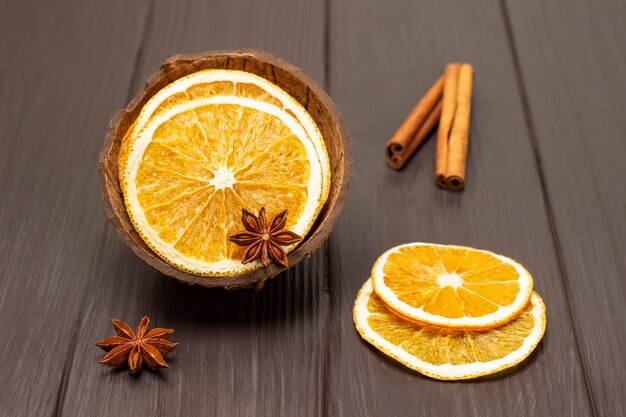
291	296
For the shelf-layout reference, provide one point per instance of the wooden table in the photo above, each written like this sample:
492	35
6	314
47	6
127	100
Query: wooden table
545	186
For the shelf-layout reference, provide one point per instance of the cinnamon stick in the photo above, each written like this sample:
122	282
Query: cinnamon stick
415	127
459	135
451	77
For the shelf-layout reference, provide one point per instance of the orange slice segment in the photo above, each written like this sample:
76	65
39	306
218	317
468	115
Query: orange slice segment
451	286
448	354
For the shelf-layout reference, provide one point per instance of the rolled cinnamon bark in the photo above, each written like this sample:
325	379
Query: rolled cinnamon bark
448	109
459	135
415	127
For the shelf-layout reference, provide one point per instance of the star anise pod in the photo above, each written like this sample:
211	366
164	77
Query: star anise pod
142	347
262	239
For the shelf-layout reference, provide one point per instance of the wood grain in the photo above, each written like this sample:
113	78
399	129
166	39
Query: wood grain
292	80
240	353
61	74
572	57
406	45
551	114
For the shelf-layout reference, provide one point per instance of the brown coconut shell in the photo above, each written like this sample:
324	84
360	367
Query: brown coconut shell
291	79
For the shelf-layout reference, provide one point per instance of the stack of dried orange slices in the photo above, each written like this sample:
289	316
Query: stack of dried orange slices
207	146
450	312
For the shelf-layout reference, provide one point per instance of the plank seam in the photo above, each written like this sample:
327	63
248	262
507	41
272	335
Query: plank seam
57	411
328	304
76	327
147	28
69	360
534	142
327	331
326	45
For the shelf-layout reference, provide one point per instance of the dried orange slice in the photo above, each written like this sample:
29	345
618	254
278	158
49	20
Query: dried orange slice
449	354
220	82
188	169
451	286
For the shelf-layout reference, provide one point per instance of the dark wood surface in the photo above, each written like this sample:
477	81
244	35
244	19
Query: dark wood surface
544	186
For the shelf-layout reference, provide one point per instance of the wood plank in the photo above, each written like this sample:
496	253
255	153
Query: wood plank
240	353
384	56
61	75
572	58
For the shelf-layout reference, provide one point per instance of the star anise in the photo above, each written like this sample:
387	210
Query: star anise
142	347
262	239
